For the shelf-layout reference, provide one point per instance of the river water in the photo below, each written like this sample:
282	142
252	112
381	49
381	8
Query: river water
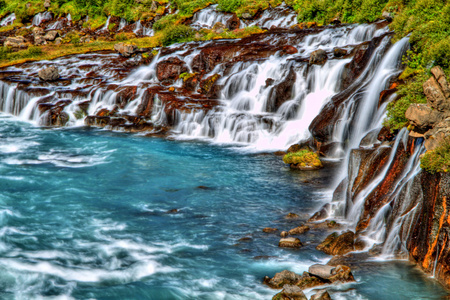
83	215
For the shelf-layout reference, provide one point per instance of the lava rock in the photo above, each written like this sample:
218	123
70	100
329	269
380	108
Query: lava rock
170	69
339	52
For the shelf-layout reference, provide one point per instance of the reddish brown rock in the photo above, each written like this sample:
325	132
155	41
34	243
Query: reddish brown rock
270	230
170	69
282	278
336	244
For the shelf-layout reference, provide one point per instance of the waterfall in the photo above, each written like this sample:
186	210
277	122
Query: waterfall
41	17
279	16
105	27
122	24
207	17
244	118
8	20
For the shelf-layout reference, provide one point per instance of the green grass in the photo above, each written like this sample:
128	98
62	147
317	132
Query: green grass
437	160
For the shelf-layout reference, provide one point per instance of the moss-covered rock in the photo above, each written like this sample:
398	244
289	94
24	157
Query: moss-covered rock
303	160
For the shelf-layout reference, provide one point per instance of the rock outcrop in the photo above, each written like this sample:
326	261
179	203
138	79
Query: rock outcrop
432	120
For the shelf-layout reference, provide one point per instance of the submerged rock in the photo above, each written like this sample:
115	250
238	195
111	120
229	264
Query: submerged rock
270	230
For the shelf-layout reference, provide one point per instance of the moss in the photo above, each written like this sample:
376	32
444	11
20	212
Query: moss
186	76
437	160
303	158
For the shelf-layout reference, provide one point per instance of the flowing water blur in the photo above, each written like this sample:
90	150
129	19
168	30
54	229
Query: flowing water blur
83	215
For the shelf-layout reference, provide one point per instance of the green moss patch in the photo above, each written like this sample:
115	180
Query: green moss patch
437	160
303	159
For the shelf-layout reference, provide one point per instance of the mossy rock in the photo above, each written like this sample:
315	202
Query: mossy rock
304	159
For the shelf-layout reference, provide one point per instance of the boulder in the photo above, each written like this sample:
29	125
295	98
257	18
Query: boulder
299	230
282	278
339	52
284	234
322	271
336	244
170	69
288	49
39	40
423	116
318	57
49	74
51	35
321	295
436	136
290	292
15	42
37	31
58	41
126	50
270	230
47	4
436	88
290	242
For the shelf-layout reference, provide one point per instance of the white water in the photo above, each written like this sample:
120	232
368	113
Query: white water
142	30
41	17
280	16
105	27
207	17
8	20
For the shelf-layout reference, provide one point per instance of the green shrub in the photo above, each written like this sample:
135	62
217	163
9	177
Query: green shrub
176	34
229	5
120	37
303	158
437	160
165	22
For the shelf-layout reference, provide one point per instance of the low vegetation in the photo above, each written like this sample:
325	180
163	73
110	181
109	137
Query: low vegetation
304	158
437	160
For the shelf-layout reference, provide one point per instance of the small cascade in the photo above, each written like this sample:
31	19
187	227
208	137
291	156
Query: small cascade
42	17
207	17
8	20
279	16
137	27
105	27
122	24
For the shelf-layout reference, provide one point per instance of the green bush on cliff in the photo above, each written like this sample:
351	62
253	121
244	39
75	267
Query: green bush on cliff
303	158
437	160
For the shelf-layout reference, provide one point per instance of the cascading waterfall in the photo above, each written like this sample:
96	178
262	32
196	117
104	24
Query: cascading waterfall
244	117
41	17
8	20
